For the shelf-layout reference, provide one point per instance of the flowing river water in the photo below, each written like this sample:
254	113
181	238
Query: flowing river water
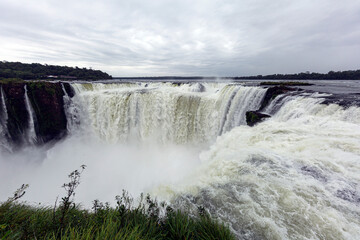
295	175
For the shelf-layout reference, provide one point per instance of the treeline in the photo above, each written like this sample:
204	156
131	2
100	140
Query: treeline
25	71
340	75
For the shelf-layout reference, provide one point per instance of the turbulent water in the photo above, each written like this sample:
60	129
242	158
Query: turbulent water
190	113
293	176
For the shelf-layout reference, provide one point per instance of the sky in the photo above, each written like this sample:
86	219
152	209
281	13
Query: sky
185	37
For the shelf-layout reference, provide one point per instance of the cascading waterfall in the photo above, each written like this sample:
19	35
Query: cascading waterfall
4	113
241	100
292	176
71	112
190	113
31	133
3	121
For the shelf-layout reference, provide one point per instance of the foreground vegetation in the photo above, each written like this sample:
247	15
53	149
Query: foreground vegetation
148	220
17	71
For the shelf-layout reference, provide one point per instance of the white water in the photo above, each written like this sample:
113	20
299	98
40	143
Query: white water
3	121
31	134
72	112
294	176
166	112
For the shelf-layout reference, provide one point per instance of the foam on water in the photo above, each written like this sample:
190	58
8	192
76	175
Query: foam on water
293	176
166	112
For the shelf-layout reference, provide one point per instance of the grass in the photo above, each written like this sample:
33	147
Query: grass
149	219
21	221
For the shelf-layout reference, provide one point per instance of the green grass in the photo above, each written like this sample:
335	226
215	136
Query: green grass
148	220
22	221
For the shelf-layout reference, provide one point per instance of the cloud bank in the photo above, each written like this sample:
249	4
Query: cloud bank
163	37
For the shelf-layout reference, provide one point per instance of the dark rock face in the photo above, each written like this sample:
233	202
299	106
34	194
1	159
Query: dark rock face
272	93
69	90
18	117
254	117
48	105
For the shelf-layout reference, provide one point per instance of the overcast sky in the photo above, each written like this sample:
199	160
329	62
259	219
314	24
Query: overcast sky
185	37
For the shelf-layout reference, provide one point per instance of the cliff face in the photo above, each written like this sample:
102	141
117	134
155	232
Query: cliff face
48	104
46	100
17	115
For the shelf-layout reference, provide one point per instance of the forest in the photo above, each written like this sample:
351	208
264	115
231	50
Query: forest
33	71
25	71
331	75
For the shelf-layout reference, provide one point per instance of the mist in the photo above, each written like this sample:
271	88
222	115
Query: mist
111	168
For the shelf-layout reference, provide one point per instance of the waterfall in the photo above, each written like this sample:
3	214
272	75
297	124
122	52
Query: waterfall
3	111
3	121
31	133
293	176
241	100
189	113
71	112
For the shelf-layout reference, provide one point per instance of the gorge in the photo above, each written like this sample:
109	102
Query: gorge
294	174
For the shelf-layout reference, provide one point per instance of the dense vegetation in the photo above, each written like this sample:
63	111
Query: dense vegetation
148	220
17	70
341	75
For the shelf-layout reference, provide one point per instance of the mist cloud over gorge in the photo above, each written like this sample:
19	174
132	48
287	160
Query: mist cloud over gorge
150	38
110	169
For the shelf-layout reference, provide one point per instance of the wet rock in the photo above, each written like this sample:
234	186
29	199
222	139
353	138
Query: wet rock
18	117
69	89
272	93
254	117
47	101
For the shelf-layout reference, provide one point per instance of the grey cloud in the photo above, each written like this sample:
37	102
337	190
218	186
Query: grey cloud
217	38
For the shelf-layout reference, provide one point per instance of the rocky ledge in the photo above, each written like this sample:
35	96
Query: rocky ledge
47	102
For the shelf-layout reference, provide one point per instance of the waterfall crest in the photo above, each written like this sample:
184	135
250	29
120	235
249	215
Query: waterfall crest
165	112
293	176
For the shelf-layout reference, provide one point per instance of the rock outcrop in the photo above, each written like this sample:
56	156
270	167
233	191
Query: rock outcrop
254	117
272	93
47	102
17	115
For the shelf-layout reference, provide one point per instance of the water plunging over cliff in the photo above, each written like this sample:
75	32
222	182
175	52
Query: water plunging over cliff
293	176
165	112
